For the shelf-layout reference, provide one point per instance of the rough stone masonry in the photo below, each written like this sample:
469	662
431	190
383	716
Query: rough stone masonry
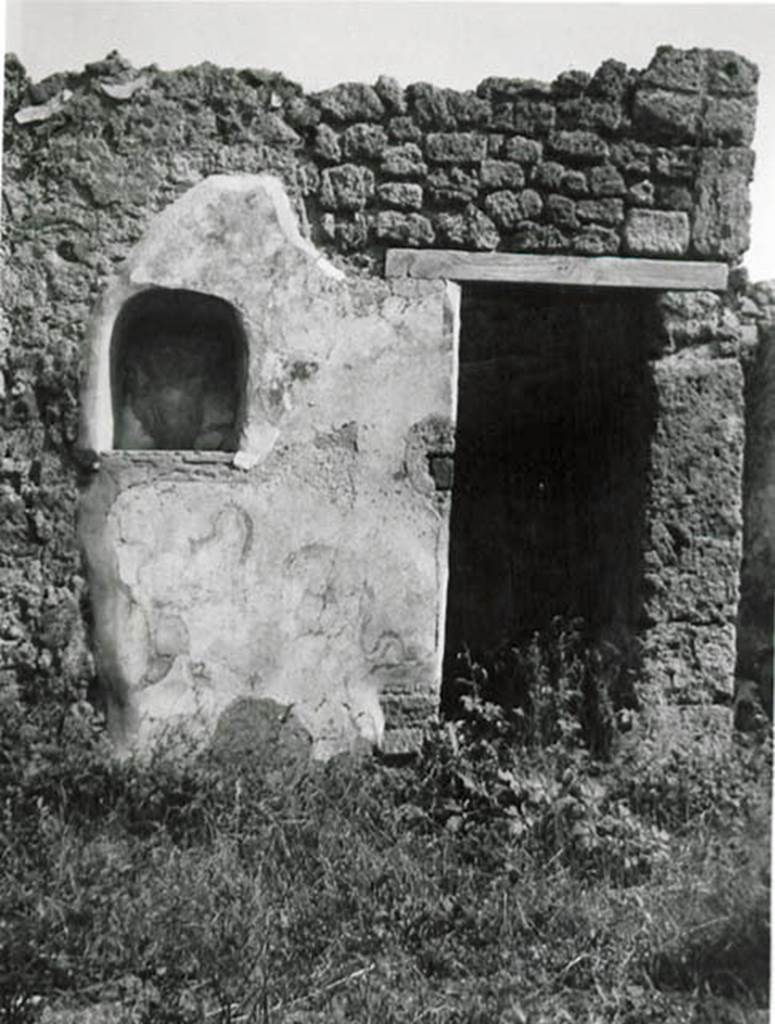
652	163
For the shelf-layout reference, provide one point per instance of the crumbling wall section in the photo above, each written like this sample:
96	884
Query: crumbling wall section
652	163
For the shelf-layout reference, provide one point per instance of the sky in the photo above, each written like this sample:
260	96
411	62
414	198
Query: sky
454	44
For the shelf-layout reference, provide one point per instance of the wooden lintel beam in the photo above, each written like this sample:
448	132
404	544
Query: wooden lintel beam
580	271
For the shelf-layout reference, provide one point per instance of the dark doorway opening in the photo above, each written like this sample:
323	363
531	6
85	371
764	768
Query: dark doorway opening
555	417
178	364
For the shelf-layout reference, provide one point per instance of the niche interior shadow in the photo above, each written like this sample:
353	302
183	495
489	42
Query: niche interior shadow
556	412
178	364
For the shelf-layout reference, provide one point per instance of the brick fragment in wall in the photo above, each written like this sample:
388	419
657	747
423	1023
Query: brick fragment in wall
391	94
363	142
676	70
588	113
641	194
676	164
495	174
656	233
455	147
605	180
729	119
584	147
667	116
404	161
403	129
729	74
454	187
547	175
494	144
347	187
575	183
470	230
507	208
532	237
533	117
326	145
522	150
349	102
428	106
561	210
569	84
409	229
600	211
402	195
469	110
722	211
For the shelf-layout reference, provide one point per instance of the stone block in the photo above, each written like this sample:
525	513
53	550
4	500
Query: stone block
578	146
533	117
402	195
470	230
676	164
349	102
693	541
454	187
596	241
672	196
547	175
507	208
301	114
729	74
404	161
569	84
575	183
428	106
403	129
729	119
667	116
632	158
605	180
469	110
495	174
326	144
522	150
722	209
610	81
409	229
641	194
676	70
600	211
589	114
391	94
455	147
532	237
561	210
656	233
363	142
347	187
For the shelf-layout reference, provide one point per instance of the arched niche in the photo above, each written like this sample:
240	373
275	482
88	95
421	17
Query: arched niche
178	360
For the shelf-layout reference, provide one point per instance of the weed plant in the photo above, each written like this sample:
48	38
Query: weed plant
546	857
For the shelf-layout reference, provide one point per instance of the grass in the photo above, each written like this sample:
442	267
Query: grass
192	890
518	870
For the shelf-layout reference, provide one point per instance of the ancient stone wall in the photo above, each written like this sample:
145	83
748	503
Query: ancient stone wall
652	163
